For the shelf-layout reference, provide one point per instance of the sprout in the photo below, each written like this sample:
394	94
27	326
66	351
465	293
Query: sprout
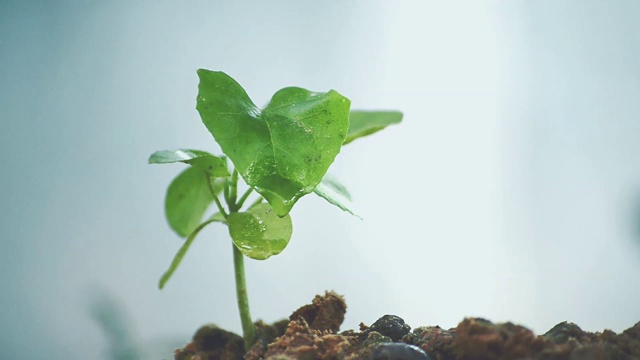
282	152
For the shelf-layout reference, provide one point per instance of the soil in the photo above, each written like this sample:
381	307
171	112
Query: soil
311	332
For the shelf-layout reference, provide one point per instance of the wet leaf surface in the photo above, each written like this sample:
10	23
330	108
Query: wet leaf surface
260	233
284	150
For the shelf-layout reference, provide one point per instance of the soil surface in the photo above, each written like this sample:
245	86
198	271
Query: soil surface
311	332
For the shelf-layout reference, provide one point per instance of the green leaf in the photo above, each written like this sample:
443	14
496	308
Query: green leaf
282	151
212	165
188	195
334	184
259	233
183	249
363	123
336	194
188	198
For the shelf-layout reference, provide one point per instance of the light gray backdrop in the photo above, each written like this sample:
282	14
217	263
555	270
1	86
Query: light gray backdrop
511	191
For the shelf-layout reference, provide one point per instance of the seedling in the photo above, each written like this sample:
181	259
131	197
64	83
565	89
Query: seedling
282	152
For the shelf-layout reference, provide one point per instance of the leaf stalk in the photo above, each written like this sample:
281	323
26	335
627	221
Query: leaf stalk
243	198
233	192
215	198
248	330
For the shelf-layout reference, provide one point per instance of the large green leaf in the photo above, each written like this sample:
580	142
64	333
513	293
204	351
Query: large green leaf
363	123
217	217
336	194
259	233
284	150
210	164
188	198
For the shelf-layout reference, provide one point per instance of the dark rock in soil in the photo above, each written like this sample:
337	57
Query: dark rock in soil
399	351
391	326
311	333
564	331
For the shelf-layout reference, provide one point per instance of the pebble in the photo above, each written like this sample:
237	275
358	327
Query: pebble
391	326
562	332
399	351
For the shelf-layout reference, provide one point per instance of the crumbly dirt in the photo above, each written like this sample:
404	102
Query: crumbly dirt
311	332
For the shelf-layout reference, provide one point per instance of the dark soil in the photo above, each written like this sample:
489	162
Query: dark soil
312	333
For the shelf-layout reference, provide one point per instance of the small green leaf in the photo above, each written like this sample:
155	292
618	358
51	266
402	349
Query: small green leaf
363	123
334	184
259	233
282	151
212	165
336	194
188	195
188	198
183	249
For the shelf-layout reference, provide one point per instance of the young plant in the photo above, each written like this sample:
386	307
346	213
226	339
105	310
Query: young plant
282	152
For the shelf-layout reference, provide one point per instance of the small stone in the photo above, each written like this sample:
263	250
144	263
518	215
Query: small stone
399	351
391	326
564	331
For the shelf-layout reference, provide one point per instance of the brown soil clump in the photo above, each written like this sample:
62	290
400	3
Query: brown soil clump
312	333
211	342
326	313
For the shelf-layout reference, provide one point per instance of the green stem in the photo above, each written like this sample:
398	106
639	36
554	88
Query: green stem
243	299
248	330
230	195
233	191
243	198
215	198
225	192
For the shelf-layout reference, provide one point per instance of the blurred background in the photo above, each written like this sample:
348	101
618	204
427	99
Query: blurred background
511	191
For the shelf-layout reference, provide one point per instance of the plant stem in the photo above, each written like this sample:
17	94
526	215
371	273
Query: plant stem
244	197
215	198
233	191
225	191
243	299
248	330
